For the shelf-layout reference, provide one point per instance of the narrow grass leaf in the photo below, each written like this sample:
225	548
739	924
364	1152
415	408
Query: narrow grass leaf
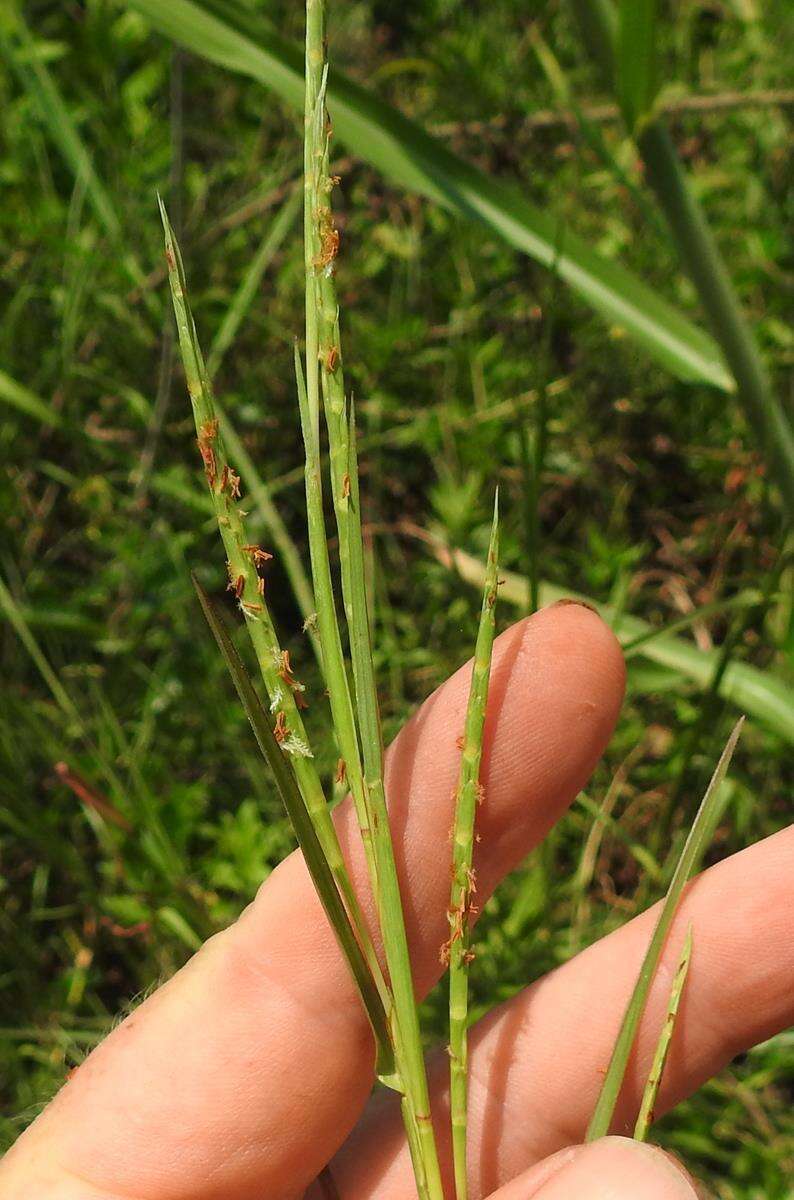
748	598
244	296
469	795
225	33
16	618
636	81
648	1105
313	853
27	402
695	846
761	694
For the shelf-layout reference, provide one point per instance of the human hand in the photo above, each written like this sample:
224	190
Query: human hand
252	1067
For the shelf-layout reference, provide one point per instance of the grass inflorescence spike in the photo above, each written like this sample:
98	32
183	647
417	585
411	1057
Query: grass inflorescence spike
457	950
245	561
648	1105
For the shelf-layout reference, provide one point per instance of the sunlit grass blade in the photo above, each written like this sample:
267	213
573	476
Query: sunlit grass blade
760	694
746	599
646	1113
313	853
225	33
469	796
13	614
695	846
25	401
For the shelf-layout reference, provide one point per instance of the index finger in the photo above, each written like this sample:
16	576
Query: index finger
241	1077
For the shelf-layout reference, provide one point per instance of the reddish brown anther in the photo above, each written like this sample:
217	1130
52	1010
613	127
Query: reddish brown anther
236	585
230	480
258	555
208	458
285	671
329	240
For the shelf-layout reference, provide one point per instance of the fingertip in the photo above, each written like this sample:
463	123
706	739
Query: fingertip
609	1169
583	630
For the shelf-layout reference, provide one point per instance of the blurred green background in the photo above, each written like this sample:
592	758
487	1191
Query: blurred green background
135	816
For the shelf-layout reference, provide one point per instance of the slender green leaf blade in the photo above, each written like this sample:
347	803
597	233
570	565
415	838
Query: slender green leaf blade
27	402
699	836
224	33
636	60
316	861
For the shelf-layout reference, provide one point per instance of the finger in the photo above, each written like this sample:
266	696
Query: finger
613	1169
537	1062
242	1075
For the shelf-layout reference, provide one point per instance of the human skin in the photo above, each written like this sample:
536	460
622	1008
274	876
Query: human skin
252	1068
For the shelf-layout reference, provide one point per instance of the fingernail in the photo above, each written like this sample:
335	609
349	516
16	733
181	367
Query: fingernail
617	1167
570	600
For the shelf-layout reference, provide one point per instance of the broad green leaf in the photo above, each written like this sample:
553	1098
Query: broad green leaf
695	846
224	33
760	694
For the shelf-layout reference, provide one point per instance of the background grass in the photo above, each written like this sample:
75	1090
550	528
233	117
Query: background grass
651	493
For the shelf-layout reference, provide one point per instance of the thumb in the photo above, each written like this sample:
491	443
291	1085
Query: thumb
613	1168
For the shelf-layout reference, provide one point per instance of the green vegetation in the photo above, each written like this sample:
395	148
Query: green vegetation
527	325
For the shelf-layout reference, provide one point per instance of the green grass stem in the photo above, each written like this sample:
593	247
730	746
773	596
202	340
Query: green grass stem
469	796
649	1095
324	352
